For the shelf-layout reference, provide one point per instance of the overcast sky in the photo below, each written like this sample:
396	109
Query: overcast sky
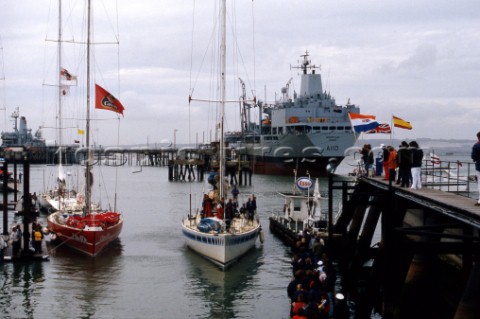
418	60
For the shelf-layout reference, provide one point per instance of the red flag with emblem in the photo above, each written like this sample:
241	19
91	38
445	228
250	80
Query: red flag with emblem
106	101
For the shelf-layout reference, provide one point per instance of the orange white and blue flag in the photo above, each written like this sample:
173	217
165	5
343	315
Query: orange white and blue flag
362	123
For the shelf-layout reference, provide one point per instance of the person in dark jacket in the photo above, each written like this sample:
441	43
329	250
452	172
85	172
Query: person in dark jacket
476	159
235	192
367	157
404	164
229	213
340	310
386	155
416	155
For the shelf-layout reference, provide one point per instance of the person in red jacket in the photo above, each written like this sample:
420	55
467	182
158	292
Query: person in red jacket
207	206
220	209
392	162
297	308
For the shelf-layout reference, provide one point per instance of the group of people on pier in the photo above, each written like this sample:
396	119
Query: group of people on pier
312	288
15	239
404	163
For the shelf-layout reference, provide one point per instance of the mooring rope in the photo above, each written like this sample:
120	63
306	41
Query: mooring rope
64	241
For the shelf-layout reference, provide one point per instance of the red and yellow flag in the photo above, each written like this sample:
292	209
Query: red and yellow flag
106	101
398	122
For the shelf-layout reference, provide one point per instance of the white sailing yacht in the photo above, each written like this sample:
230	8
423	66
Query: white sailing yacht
218	233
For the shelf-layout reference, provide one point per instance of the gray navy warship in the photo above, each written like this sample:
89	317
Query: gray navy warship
303	133
39	151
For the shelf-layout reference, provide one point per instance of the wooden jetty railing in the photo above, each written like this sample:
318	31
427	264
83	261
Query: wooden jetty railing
427	260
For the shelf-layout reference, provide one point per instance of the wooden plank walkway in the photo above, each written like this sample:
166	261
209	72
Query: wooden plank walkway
456	206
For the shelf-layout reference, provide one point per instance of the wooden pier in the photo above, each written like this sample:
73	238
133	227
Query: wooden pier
426	263
28	213
184	164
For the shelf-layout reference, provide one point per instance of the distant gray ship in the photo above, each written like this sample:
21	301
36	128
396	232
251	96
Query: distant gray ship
39	152
302	134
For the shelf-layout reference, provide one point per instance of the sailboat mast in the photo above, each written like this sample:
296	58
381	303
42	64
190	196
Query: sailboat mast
88	177
223	36
59	120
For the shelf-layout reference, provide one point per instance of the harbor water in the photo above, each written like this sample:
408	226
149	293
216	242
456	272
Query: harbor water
148	272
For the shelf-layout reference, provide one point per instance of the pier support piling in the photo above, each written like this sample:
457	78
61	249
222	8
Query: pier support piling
469	306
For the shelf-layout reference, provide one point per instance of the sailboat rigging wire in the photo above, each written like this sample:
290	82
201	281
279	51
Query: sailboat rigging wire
192	87
116	170
191	49
253	48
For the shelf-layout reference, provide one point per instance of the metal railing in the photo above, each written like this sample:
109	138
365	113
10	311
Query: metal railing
450	176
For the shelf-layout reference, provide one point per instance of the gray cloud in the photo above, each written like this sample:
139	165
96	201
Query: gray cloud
417	60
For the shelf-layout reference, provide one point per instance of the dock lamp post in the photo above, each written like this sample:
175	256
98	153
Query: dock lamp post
331	167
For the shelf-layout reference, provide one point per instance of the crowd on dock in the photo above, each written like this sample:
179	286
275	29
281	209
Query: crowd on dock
15	240
312	288
403	163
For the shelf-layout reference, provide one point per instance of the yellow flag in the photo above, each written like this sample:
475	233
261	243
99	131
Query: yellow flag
80	132
398	122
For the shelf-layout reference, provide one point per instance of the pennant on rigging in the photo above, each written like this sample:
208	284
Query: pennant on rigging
66	75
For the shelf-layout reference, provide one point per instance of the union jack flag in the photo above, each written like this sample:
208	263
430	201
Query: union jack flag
382	128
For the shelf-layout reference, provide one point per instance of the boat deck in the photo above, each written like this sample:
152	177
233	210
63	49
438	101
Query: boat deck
237	225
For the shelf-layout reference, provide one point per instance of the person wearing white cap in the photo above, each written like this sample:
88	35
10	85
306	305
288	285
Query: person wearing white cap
320	266
340	309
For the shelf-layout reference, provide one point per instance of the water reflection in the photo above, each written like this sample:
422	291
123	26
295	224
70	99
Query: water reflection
82	285
219	291
21	284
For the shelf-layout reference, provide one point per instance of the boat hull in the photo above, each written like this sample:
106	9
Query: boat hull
222	249
90	240
304	166
304	152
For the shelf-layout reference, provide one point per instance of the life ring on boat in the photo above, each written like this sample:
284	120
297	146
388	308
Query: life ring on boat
293	119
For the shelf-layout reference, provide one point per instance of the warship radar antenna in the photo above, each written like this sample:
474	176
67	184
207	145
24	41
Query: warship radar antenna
15	115
306	64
